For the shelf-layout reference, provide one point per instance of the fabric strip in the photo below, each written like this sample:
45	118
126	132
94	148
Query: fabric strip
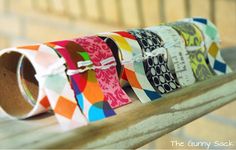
156	68
60	95
108	79
192	37
88	93
212	43
127	55
135	72
116	54
176	50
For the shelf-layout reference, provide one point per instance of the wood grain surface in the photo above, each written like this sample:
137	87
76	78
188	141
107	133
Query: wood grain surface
135	125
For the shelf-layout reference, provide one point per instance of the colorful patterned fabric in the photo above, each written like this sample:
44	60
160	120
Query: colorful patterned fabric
212	43
107	78
79	79
59	96
135	72
87	90
156	68
193	38
116	54
127	55
178	55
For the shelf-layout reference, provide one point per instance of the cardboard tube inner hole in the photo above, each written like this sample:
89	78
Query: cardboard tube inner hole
11	99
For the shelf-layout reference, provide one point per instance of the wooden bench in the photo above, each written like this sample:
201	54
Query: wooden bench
135	125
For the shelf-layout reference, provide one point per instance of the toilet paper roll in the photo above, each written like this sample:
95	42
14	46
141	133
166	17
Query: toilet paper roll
194	46
178	55
155	66
52	85
212	43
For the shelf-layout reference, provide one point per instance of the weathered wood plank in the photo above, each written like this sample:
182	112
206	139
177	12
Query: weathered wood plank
92	9
149	121
58	6
171	6
225	18
151	12
130	13
110	11
200	8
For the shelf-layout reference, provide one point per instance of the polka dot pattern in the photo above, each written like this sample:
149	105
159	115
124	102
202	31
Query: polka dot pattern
156	68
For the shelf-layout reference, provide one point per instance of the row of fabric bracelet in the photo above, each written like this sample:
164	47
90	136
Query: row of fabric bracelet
81	77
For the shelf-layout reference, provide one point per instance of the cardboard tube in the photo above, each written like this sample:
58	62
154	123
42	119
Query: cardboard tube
11	99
